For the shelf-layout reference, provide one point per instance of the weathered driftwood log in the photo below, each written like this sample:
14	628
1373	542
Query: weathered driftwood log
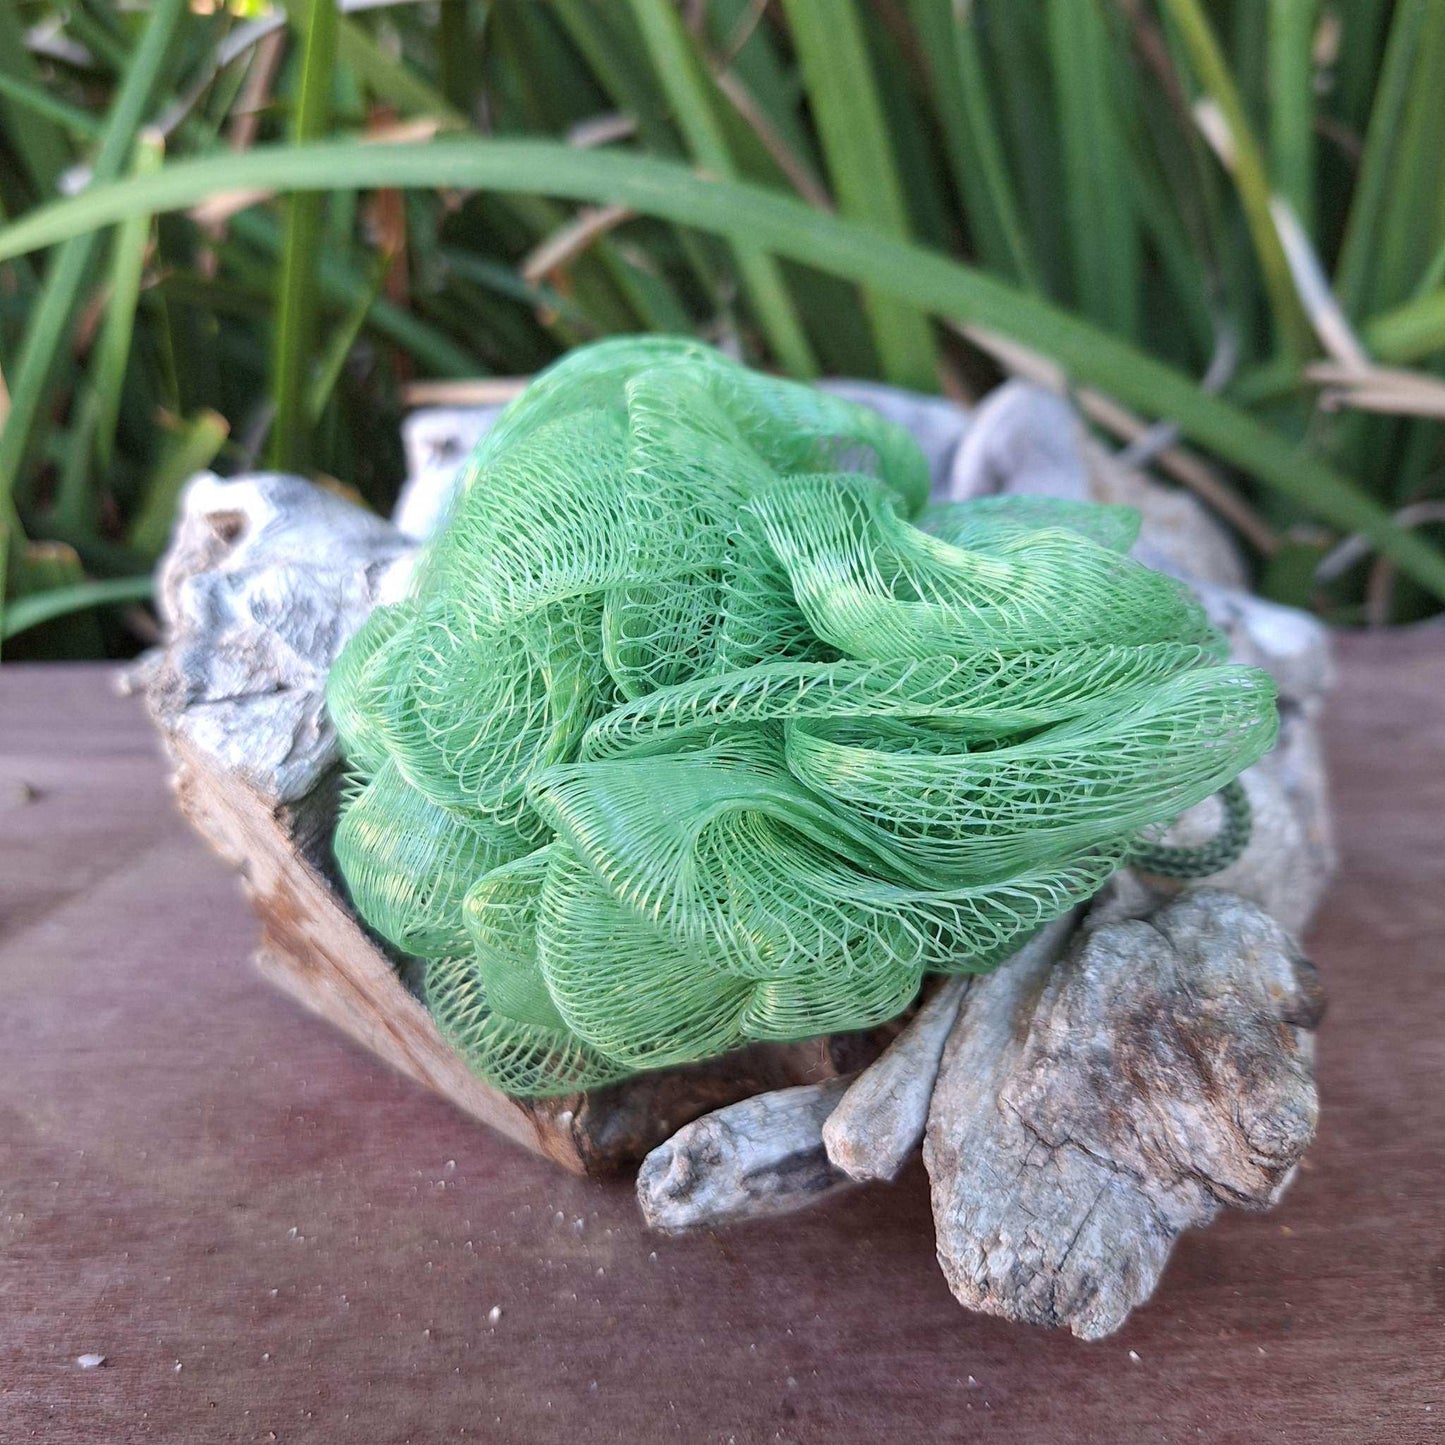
761	1157
1087	1113
879	1122
266	579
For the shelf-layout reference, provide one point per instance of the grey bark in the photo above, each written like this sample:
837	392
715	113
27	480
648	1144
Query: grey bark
1088	1113
879	1123
763	1156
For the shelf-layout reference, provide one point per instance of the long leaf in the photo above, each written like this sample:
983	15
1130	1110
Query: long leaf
1250	177
100	409
1291	104
782	225
34	134
1103	235
30	100
948	36
1359	250
678	70
296	318
1410	331
65	278
844	99
40	607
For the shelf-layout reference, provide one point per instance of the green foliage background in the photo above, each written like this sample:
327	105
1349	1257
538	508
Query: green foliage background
236	236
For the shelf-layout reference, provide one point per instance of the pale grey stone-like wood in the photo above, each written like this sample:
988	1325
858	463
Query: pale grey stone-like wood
879	1123
761	1157
265	581
936	424
1025	440
1087	1113
437	441
880	1120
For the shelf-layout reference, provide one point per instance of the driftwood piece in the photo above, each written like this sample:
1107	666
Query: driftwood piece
880	1121
266	579
1024	439
268	576
1088	1113
760	1157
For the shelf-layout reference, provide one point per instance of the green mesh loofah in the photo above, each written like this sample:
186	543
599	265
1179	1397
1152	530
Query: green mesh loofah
701	726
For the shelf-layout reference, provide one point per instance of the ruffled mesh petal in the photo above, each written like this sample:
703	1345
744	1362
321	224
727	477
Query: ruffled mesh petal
701	727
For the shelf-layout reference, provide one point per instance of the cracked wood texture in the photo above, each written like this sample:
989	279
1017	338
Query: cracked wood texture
195	1171
1088	1111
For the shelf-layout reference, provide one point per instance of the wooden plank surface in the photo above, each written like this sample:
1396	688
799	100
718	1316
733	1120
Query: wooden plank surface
269	1236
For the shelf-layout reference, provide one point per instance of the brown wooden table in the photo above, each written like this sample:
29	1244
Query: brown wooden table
271	1237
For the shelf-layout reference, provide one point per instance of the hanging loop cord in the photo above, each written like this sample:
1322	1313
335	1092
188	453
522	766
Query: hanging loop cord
1211	857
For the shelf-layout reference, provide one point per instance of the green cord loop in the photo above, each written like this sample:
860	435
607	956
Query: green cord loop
1211	857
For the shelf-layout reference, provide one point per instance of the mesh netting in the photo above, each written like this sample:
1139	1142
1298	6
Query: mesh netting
700	726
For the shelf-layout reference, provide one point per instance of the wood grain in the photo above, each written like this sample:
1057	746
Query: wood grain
195	1171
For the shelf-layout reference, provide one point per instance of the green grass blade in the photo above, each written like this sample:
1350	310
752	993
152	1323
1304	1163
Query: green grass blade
681	76
296	319
765	72
22	98
46	567
1292	329
340	286
1103	235
27	612
112	349
33	134
188	451
1014	42
948	37
389	79
65	278
616	62
333	362
1409	332
1292	104
843	96
1414	220
1358	67
775	223
1359	251
456	45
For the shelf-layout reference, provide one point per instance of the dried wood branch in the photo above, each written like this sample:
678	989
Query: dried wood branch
760	1157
